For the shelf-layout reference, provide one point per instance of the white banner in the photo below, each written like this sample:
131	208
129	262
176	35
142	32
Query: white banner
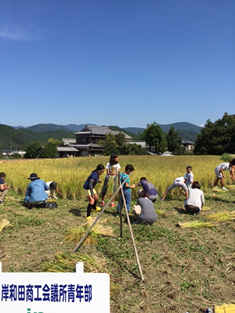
55	292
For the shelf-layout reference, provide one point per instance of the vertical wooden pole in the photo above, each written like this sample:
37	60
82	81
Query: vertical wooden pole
132	237
120	206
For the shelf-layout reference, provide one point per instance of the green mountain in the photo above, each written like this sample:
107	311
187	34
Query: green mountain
186	131
12	138
134	136
41	128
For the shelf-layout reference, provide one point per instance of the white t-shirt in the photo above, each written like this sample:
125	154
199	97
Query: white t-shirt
224	166
195	198
112	168
188	178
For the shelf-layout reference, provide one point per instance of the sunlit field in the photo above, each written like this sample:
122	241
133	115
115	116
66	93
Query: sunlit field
187	260
71	173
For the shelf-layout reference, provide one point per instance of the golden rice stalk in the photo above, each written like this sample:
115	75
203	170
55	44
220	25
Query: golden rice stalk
66	263
75	234
195	224
114	288
206	208
222	216
4	223
230	187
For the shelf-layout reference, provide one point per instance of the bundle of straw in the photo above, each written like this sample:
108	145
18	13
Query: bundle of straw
206	208
65	263
222	216
195	224
4	223
75	234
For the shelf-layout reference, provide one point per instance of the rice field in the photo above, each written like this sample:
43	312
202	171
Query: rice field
71	173
187	261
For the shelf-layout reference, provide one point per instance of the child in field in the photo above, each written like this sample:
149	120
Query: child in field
90	192
112	170
196	200
219	172
188	177
126	187
53	189
3	187
149	188
180	183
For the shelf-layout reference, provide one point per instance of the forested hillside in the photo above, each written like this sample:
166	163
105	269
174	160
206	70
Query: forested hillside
11	138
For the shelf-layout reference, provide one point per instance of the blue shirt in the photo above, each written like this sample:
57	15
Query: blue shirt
94	177
123	176
36	191
148	187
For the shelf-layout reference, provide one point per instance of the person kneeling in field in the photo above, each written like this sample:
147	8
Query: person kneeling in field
36	191
180	183
196	200
3	187
90	192
144	210
219	172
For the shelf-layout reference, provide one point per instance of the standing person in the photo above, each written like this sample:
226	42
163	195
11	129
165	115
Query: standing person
149	188
188	177
126	187
36	191
53	189
147	212
3	187
112	170
219	172
90	192
178	182
196	200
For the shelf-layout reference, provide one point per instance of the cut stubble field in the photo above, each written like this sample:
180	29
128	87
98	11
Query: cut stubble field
185	269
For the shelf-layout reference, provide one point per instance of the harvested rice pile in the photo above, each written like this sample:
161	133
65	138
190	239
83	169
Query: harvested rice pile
222	216
195	224
4	223
75	234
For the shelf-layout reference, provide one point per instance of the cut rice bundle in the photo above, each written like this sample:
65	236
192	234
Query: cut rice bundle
4	223
222	216
75	234
195	224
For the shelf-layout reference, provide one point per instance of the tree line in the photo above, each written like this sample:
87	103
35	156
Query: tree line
214	139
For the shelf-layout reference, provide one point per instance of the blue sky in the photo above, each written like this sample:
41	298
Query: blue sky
116	62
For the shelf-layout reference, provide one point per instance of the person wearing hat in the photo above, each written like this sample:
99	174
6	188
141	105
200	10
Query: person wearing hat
36	191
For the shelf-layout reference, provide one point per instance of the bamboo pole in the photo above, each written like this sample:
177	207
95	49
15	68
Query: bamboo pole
120	206
101	212
132	237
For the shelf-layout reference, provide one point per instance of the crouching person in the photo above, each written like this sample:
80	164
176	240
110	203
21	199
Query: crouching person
196	200
36	191
144	210
53	189
3	187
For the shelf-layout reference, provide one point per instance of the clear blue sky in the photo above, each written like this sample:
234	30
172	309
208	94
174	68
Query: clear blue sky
116	62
